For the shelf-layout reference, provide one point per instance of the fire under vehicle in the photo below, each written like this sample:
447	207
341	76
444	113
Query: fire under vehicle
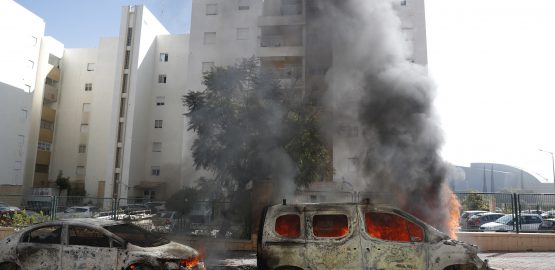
356	236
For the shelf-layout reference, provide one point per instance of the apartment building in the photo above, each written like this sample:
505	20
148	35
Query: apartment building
120	120
29	77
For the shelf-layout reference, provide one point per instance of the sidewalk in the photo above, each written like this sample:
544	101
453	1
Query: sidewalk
520	261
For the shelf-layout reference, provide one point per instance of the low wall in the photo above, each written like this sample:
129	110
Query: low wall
509	242
6	231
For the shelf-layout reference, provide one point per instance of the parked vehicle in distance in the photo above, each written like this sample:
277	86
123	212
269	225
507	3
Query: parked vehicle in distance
547	225
94	244
78	212
355	236
548	214
164	221
156	207
529	222
465	215
477	220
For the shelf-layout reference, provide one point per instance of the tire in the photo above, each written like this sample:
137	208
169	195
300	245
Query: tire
9	266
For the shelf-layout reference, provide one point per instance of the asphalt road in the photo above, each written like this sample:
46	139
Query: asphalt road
498	261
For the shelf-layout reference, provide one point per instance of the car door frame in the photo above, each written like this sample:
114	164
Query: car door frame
39	247
394	249
84	249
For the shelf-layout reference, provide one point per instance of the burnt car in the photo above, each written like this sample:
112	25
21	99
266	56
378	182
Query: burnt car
93	244
356	236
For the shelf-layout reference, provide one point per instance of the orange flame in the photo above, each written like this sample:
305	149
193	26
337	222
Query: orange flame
454	214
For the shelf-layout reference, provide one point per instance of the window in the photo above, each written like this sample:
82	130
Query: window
209	38
84	128
46	125
23	116
39	168
129	35
126	62
155	170
163	57
82	148
44	146
242	33
207	66
80	171
330	225
86	107
30	64
83	236
34	41
44	235
211	9
156	147
288	226
291	7
158	123
124	83
162	78
90	66
88	87
391	227
160	101
244	4
27	88
403	2
20	144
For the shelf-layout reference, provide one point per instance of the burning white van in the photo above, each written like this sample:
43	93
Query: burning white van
356	236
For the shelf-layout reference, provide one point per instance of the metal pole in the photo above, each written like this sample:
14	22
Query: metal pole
552	164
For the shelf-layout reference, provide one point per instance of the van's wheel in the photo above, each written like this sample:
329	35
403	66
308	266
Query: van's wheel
9	266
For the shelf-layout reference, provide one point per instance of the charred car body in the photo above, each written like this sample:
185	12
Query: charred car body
356	236
93	244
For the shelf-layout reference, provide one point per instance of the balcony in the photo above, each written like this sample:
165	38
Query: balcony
43	157
48	114
54	74
50	93
45	135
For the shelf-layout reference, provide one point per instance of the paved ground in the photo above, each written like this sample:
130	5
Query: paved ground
499	261
523	260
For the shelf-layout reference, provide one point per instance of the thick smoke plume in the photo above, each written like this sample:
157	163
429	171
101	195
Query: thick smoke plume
375	90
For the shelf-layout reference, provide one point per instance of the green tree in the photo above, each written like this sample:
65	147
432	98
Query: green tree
475	201
62	182
250	128
183	201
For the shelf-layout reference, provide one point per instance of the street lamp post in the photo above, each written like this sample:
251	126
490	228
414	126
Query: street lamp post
552	163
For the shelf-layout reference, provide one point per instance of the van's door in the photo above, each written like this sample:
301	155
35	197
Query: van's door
332	238
392	241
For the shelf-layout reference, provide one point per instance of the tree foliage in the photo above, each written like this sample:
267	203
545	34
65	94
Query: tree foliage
475	201
62	182
250	128
182	201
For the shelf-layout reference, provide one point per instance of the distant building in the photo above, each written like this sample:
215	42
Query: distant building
492	177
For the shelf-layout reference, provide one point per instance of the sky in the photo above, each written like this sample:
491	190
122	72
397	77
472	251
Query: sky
491	60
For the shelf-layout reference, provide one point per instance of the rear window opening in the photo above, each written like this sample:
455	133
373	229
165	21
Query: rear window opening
387	226
330	225
288	226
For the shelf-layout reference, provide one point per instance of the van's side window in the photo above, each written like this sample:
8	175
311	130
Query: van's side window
391	227
288	226
330	225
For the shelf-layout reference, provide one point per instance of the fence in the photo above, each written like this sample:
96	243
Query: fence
225	220
510	212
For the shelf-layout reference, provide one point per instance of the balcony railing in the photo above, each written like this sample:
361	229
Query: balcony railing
50	93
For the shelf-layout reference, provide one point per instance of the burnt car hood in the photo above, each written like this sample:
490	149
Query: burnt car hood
171	250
